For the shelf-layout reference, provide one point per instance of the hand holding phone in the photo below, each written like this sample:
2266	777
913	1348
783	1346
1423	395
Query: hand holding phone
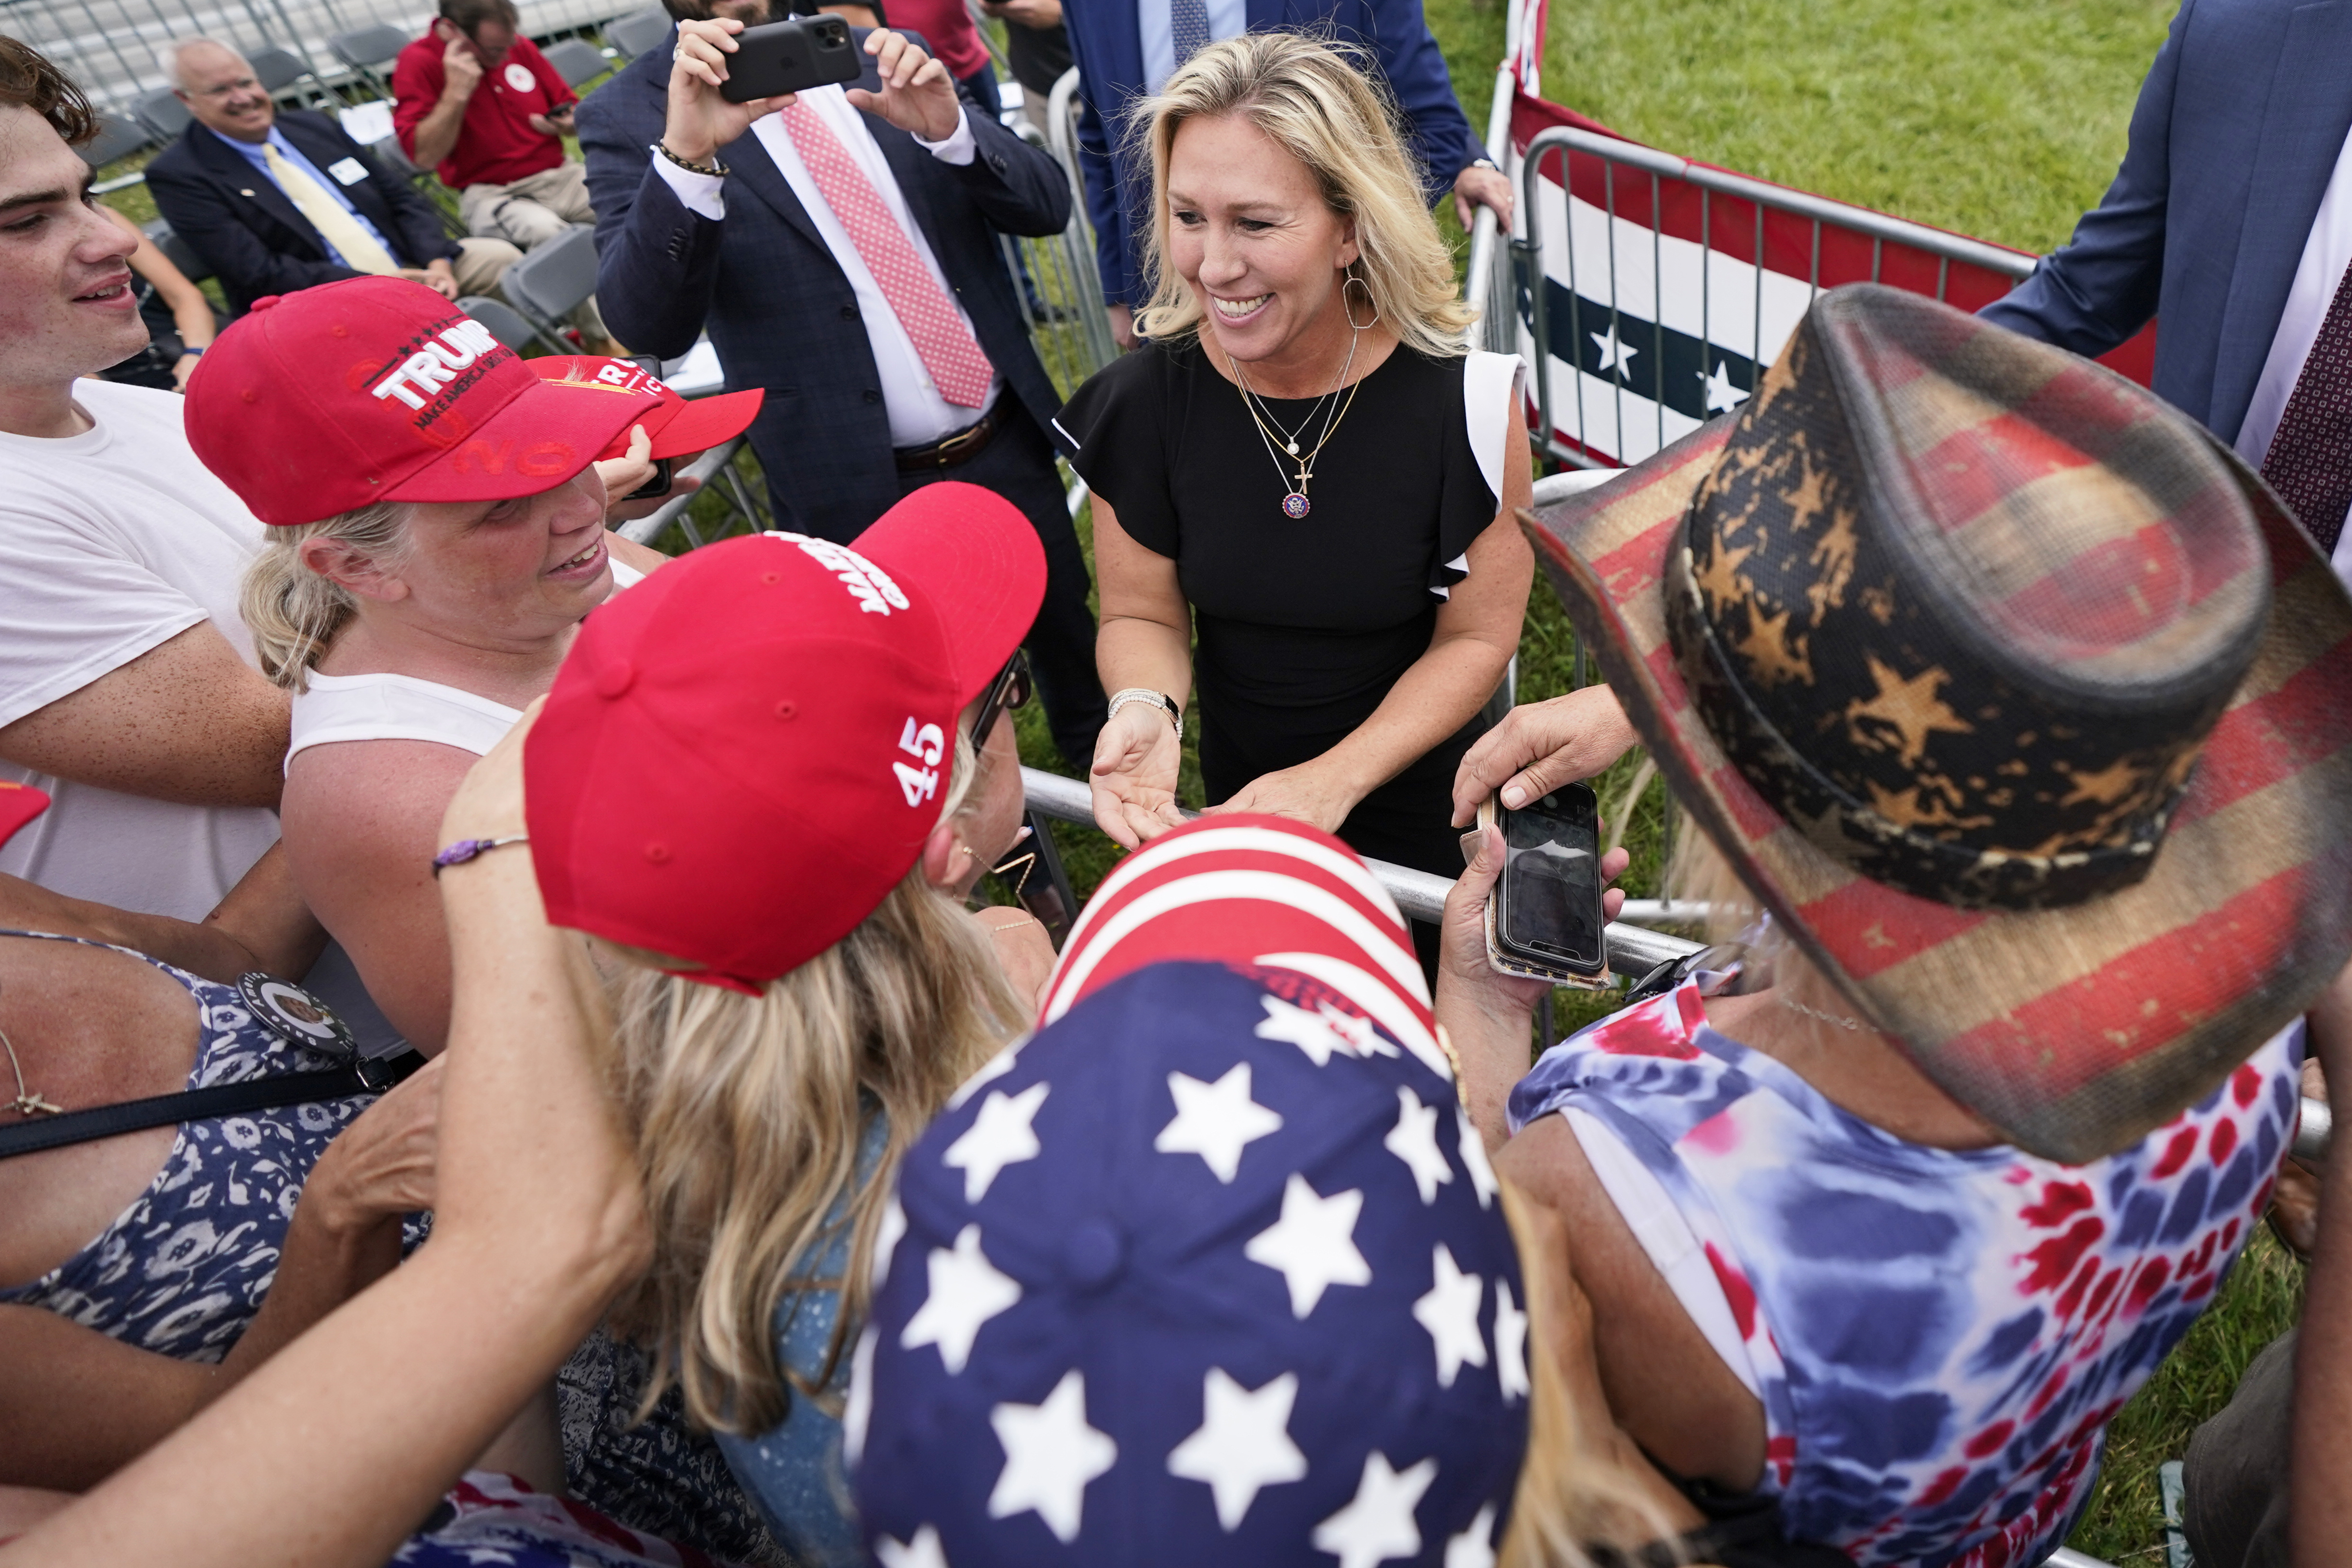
791	55
1546	920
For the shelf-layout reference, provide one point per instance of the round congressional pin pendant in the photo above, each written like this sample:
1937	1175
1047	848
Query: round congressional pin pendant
518	76
1294	506
295	1017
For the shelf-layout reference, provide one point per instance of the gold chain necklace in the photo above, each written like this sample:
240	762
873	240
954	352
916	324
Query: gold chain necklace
1295	503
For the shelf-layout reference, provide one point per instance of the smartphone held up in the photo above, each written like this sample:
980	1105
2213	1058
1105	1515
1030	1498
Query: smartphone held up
1544	919
791	55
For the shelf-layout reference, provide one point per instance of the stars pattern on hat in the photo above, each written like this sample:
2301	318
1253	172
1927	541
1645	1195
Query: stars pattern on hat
1474	1547
1379	1524
1050	1455
966	1292
1215	1121
925	1551
1243	1445
1474	1158
1001	1137
1413	1140
1510	1343
1450	1312
1312	1245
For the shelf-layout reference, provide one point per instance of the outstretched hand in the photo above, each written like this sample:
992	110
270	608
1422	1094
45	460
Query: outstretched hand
1134	776
918	94
1539	747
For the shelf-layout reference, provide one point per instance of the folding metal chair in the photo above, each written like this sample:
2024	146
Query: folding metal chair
576	60
116	138
499	316
716	468
369	50
392	156
552	281
279	69
639	31
163	113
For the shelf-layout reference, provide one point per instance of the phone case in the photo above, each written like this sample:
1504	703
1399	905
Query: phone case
791	55
1527	968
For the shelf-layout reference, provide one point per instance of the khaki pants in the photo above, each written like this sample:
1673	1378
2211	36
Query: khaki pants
481	263
529	211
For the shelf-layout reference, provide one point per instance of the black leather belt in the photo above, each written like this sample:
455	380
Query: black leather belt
949	451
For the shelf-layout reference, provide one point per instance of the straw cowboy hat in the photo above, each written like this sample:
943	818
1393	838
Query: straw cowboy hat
2020	701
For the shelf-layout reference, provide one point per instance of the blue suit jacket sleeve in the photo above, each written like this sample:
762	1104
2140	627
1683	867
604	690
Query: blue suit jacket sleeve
2100	287
1416	72
1119	270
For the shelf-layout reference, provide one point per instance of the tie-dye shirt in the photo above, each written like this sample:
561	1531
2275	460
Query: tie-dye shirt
1939	1338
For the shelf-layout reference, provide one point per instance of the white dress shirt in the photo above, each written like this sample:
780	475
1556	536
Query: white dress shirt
2325	255
1227	19
920	415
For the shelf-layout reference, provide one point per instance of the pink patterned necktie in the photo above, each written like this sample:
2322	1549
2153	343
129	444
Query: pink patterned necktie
959	367
2310	460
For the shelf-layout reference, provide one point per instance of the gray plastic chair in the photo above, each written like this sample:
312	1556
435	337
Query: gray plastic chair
276	69
549	282
576	60
499	316
163	113
118	137
370	50
639	31
177	251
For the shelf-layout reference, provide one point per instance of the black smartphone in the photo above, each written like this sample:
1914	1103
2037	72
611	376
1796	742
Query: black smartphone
1548	905
656	487
791	55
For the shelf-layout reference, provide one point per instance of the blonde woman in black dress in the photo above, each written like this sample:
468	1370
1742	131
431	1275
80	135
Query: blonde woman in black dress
1305	461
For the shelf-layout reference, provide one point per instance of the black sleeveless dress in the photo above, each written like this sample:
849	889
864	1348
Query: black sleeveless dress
1303	624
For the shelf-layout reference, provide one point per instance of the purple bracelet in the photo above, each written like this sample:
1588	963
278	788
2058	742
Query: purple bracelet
464	850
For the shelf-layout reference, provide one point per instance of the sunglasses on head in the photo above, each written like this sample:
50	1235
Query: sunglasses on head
1009	690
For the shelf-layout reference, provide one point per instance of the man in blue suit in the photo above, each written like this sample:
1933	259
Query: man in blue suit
842	249
2231	222
1126	48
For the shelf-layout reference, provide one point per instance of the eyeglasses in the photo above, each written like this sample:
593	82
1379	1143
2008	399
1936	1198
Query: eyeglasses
1009	690
242	84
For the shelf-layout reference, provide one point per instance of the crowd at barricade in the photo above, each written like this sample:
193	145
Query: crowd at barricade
511	1061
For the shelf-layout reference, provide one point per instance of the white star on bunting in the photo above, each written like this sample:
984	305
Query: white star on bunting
1243	1443
857	1410
1721	394
1310	1032
1449	1314
886	1237
999	1137
1050	1455
1362	1038
923	1551
1312	1244
1475	1547
1510	1343
1413	1140
1615	353
966	1292
1215	1121
1473	1159
1379	1524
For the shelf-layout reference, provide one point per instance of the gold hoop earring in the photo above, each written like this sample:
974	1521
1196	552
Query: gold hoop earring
1352	280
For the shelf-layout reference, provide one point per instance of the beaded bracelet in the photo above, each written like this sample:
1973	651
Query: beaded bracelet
464	850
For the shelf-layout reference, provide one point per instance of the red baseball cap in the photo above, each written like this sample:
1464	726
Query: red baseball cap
377	389
675	426
19	804
744	754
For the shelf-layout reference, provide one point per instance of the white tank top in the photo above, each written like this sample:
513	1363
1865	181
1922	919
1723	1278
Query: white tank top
402	707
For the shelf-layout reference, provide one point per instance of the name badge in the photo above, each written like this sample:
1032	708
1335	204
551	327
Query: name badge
350	171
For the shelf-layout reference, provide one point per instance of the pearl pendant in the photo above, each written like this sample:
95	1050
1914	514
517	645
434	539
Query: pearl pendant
1292	447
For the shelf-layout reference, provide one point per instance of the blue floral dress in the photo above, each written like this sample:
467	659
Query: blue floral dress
1939	1338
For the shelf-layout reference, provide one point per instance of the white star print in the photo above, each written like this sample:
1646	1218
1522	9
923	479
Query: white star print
1378	1525
1413	1140
1615	355
1050	1455
1449	1314
1474	1158
1310	1032
1312	1244
1510	1343
886	1237
859	1408
1475	1547
1720	393
996	1067
999	1137
1243	1443
966	1292
1214	1121
925	1551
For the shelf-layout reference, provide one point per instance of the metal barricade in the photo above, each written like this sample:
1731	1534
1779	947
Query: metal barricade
1681	283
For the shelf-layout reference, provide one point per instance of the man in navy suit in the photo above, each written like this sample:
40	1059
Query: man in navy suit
842	251
2231	222
255	192
1126	48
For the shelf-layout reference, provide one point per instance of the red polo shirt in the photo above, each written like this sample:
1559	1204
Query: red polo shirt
496	143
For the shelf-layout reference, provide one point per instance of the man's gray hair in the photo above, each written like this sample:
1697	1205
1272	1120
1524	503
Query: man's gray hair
179	53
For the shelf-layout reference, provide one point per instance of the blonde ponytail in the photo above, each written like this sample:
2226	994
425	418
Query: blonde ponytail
293	612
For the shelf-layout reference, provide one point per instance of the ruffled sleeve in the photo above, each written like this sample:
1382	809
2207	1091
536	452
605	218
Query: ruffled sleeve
1478	445
1115	429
